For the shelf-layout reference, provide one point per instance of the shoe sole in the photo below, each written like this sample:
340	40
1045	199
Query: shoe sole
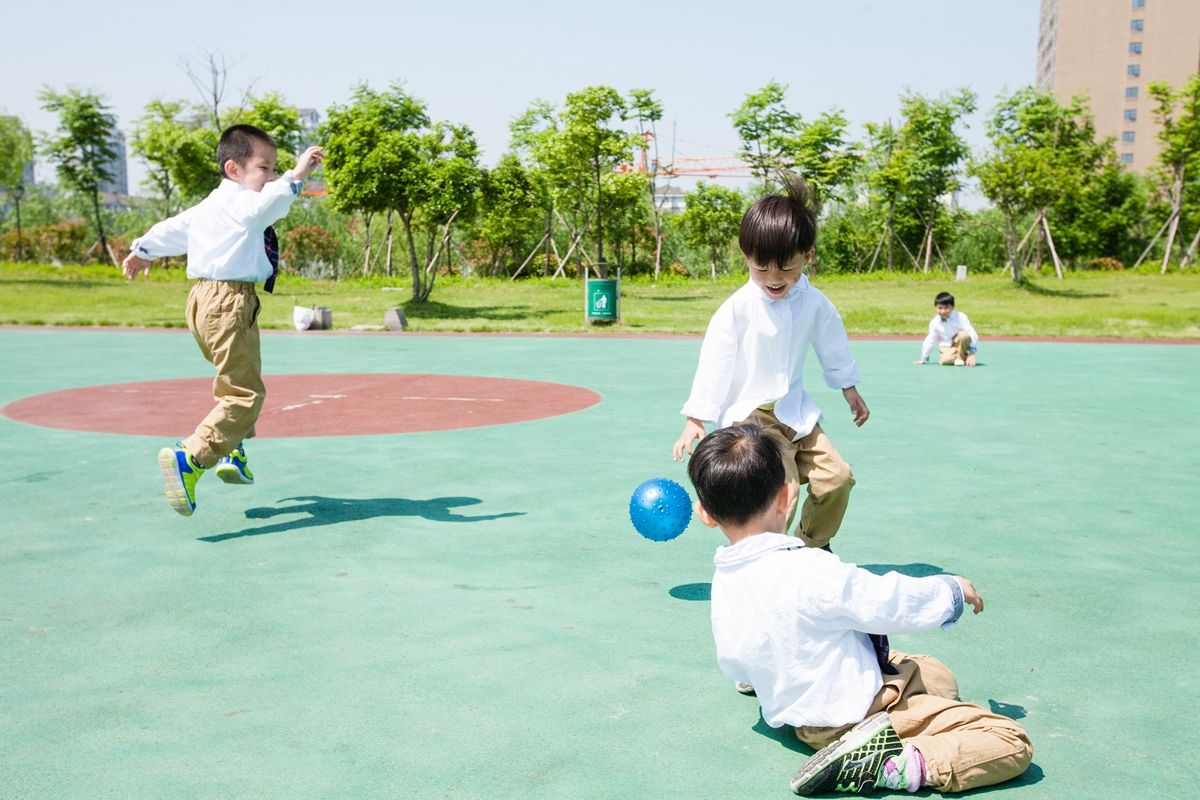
173	483
852	739
231	474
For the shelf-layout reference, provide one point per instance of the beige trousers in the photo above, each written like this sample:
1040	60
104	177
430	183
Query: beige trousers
964	745
956	350
223	318
811	460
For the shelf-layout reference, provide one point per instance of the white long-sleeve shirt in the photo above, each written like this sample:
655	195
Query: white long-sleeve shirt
942	332
792	622
754	351
222	235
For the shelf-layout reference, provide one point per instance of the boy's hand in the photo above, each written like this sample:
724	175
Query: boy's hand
308	161
970	596
134	264
921	361
858	406
692	430
970	359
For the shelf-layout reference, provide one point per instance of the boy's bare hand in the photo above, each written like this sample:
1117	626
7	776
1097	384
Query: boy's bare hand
308	161
970	359
970	596
858	406
692	431
134	264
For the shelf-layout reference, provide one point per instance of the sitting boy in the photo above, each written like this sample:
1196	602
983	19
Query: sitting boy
952	332
794	621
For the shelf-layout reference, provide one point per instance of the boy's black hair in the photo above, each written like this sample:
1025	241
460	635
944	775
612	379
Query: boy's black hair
237	143
737	472
944	299
778	227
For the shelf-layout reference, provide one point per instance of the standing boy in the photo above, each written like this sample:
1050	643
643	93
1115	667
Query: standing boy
752	360
952	332
230	247
795	623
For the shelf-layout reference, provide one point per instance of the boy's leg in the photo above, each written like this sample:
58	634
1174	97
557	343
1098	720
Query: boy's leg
947	353
223	318
829	480
963	745
962	344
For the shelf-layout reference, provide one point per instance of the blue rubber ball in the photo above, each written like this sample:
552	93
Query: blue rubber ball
660	509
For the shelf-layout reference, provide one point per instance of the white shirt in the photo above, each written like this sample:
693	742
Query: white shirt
942	332
753	353
792	622
223	233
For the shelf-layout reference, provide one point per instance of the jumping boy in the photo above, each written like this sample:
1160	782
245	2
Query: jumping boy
752	360
230	247
794	622
953	334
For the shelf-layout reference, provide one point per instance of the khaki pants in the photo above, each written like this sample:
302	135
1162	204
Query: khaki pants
223	317
811	460
964	746
956	350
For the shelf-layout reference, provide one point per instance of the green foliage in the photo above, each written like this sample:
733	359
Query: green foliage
514	203
82	149
711	220
1044	156
16	150
180	155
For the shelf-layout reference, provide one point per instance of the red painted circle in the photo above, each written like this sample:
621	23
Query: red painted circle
308	405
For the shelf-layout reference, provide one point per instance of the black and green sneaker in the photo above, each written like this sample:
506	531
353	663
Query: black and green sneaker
853	763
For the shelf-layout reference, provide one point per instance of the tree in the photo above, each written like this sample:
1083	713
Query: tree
180	156
1178	117
646	111
822	152
767	130
578	149
1043	154
916	165
711	219
16	150
82	149
513	204
369	145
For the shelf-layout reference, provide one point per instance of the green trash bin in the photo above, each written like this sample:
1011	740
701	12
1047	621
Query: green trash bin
603	301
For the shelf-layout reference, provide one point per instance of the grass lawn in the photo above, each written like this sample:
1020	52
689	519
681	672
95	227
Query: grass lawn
1110	304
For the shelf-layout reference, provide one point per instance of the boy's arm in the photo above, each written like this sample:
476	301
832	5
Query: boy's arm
714	375
929	343
166	238
260	209
832	347
894	603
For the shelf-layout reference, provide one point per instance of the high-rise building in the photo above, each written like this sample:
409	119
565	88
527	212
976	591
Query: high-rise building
118	185
1111	50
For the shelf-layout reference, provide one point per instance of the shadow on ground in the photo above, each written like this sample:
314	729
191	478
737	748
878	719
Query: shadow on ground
911	570
1035	288
332	510
692	591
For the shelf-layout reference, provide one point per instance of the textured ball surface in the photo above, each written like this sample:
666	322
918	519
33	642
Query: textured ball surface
660	509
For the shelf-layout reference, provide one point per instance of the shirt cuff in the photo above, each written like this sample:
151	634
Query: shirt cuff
956	593
297	186
139	250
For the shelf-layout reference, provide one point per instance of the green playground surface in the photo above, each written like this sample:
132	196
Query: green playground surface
469	613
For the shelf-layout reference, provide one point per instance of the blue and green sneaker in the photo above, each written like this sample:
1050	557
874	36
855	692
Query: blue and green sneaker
180	474
854	763
233	468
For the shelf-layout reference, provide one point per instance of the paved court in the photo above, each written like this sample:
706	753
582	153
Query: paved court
467	613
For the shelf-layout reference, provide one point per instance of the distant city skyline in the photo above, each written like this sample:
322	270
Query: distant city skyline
482	64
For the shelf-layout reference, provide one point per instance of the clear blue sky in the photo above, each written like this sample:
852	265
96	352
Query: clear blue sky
482	63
